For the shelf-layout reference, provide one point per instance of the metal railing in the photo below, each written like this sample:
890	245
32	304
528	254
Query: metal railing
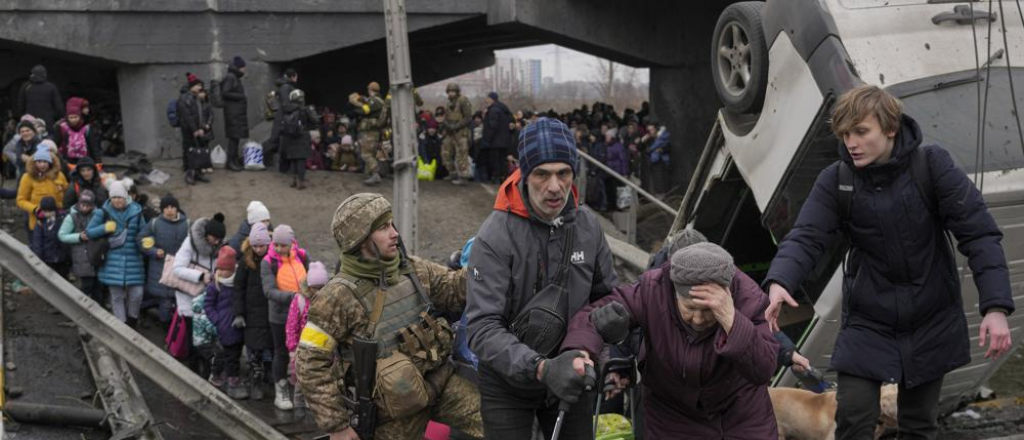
622	179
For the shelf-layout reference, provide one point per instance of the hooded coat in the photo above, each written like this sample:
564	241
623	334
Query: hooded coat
167	235
236	105
903	315
40	98
219	308
35	185
250	302
497	134
79	184
45	241
123	266
505	270
194	249
193	115
710	386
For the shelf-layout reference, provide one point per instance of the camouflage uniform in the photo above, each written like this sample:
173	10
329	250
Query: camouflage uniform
337	315
370	126
455	146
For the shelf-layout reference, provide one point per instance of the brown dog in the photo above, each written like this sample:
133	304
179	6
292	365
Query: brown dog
804	415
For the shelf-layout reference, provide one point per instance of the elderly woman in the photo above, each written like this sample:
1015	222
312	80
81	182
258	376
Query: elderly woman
708	354
123	271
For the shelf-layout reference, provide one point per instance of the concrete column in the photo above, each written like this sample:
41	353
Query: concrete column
146	90
684	99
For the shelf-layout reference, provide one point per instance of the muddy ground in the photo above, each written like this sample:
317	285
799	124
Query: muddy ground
50	365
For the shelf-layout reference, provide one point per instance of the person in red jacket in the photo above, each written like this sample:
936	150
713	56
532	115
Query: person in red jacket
708	353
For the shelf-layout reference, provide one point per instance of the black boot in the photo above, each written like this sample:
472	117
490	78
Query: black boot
233	162
133	323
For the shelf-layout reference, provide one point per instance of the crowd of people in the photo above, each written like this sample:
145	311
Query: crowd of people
536	293
455	143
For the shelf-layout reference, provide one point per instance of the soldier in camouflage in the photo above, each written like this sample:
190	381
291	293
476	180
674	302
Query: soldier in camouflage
371	124
455	147
376	281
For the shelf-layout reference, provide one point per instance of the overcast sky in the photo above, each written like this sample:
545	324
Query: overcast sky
575	65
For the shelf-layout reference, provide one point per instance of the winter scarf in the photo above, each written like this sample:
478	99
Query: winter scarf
357	266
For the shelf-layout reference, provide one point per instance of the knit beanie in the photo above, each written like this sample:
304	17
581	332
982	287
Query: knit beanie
27	123
259	236
192	79
700	264
346	140
169	200
42	154
86	198
48	204
226	258
547	140
283	234
256	212
85	162
238	62
493	96
73	107
215	226
118	189
317	275
685	238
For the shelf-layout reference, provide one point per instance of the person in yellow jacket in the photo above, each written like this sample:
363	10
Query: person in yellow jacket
42	178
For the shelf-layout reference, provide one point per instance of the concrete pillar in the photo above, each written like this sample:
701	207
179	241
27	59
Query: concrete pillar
684	99
146	90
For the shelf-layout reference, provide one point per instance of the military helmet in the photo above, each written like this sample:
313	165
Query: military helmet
297	96
354	218
452	87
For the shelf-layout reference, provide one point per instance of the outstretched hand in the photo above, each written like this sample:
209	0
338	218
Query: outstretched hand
776	295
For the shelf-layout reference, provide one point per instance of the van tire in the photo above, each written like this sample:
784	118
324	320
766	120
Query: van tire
739	57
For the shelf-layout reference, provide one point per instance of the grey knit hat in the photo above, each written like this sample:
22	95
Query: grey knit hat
685	238
702	263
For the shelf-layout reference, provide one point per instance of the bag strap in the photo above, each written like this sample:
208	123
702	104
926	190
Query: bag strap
378	310
921	172
562	276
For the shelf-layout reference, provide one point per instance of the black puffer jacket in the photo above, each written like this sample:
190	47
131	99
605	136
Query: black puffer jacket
40	98
193	115
903	313
249	301
236	104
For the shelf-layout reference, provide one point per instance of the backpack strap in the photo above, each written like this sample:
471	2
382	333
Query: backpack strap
921	172
845	188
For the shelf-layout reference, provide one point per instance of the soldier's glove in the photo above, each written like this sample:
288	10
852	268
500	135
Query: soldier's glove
354	99
560	377
239	322
611	321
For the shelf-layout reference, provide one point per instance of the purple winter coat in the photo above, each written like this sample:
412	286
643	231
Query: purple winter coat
616	158
219	307
711	387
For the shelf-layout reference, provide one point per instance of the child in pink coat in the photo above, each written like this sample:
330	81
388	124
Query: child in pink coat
298	313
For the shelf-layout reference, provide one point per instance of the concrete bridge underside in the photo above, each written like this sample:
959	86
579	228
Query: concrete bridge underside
142	49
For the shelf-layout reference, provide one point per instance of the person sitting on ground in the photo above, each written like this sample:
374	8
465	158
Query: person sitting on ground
710	355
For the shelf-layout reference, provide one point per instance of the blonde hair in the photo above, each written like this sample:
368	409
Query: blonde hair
857	104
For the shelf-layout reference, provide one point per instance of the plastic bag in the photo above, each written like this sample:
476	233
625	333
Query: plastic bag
426	171
614	427
219	157
253	153
624	197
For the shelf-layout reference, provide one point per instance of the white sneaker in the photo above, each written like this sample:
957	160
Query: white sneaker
281	399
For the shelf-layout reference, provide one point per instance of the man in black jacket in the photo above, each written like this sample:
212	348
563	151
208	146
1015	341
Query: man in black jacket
236	118
194	118
285	85
40	98
497	138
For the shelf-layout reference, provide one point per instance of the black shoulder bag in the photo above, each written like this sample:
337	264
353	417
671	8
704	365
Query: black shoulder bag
542	322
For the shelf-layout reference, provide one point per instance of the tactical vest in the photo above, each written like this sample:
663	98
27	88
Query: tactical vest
405	323
455	112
